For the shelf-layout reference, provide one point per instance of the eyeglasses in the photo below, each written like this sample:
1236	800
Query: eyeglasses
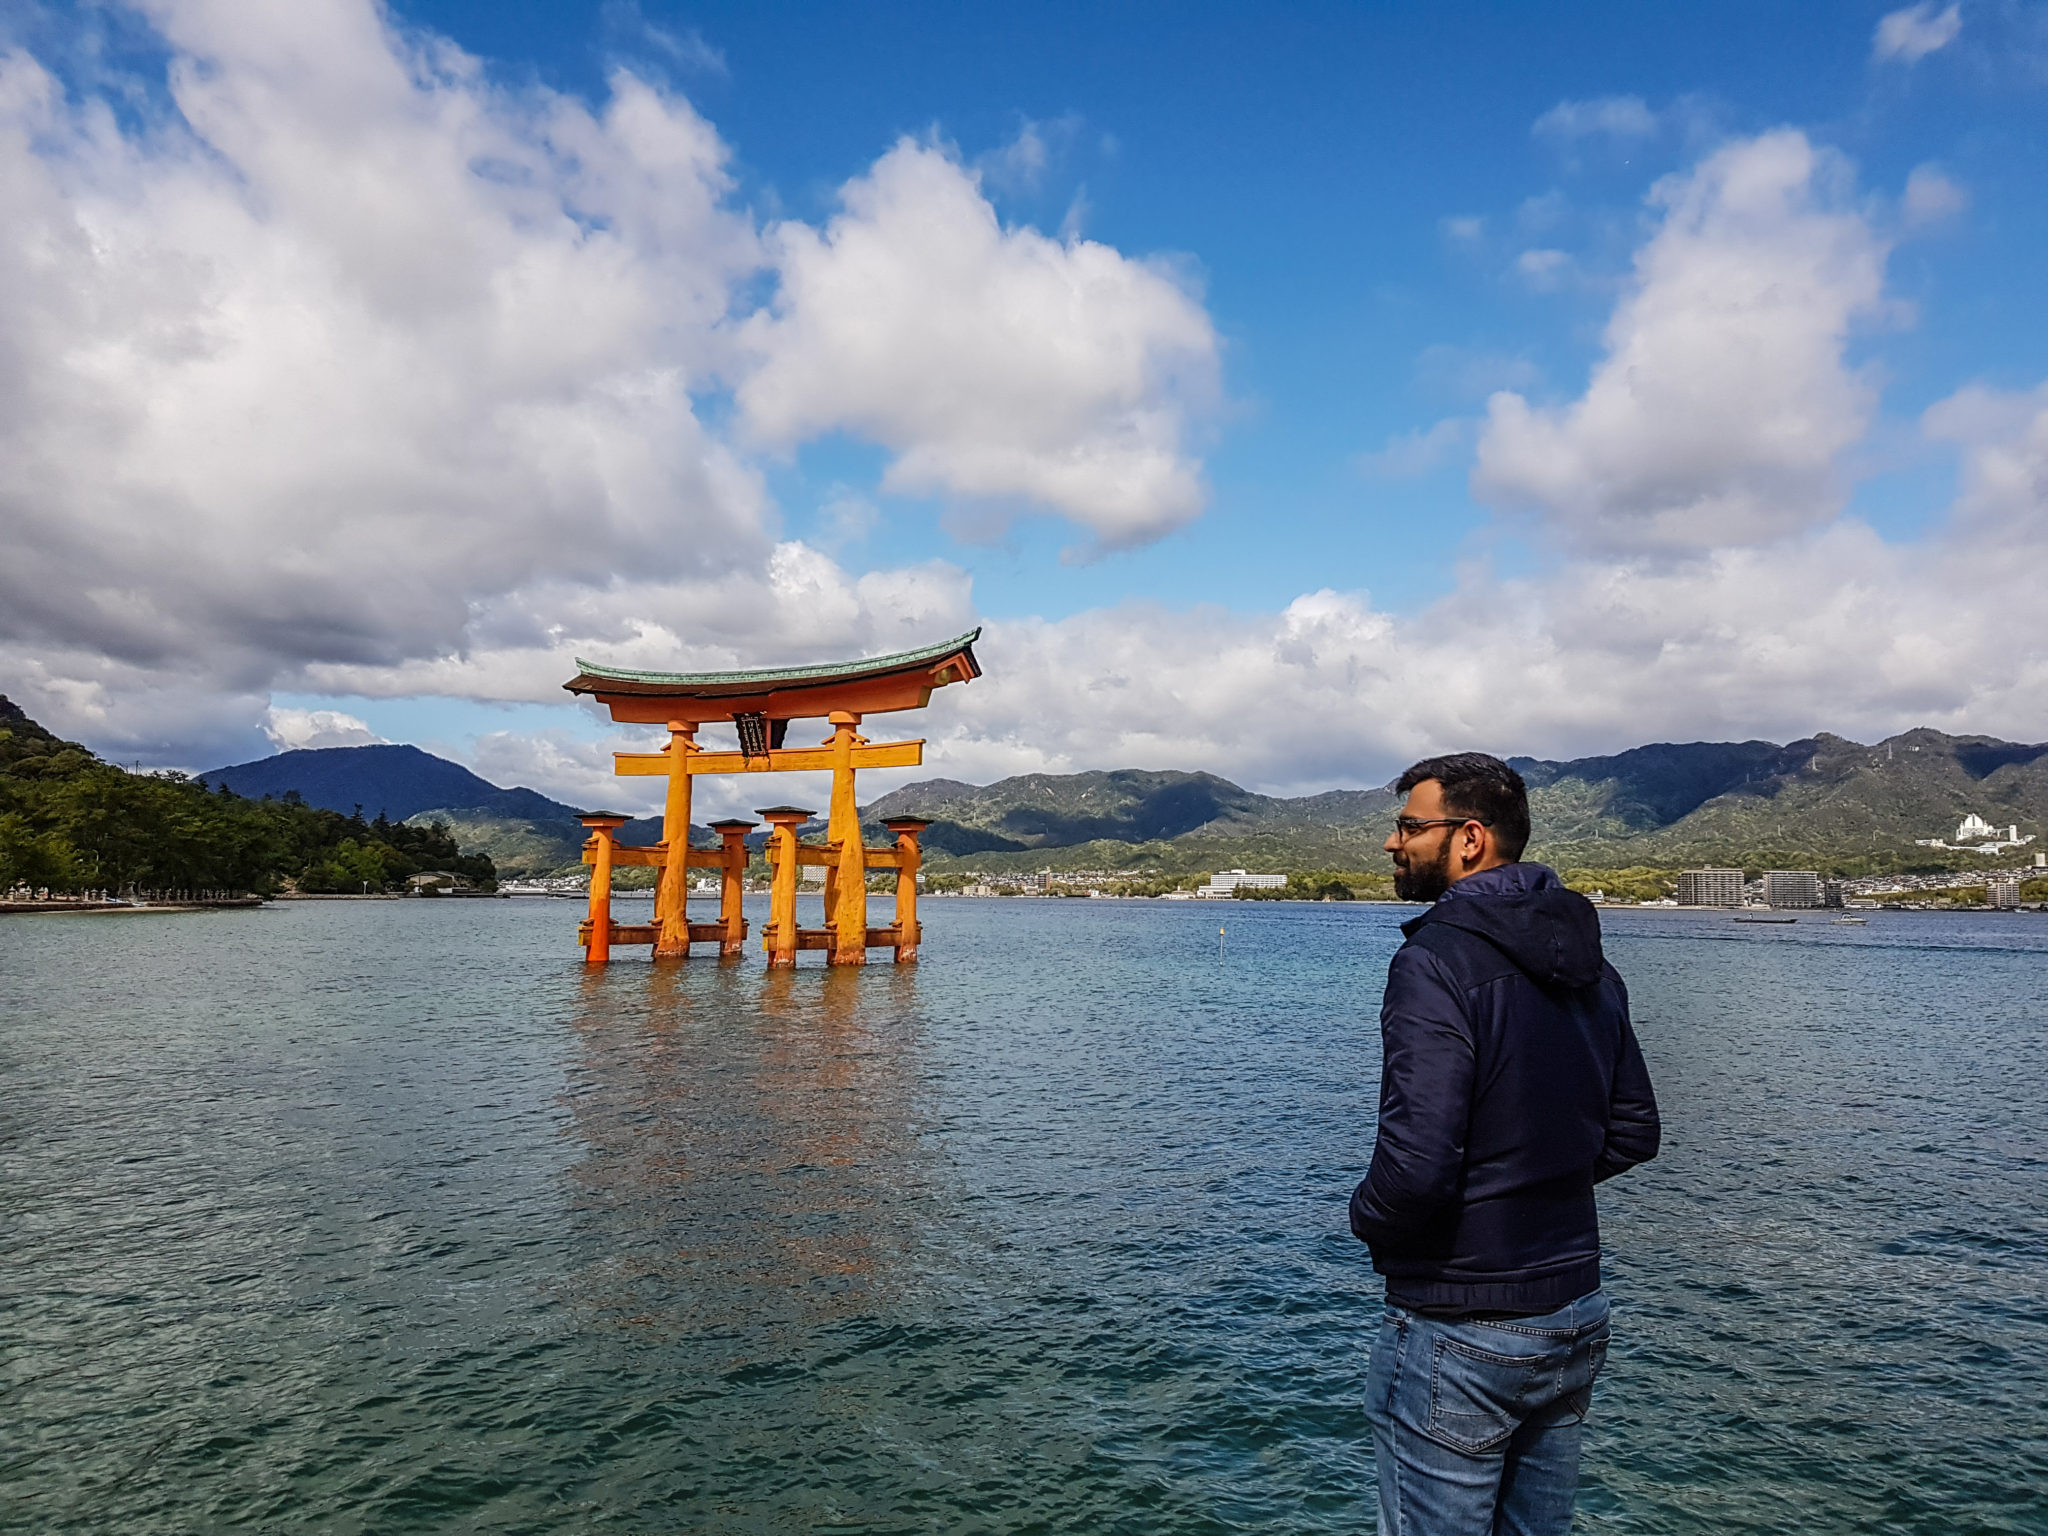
1408	826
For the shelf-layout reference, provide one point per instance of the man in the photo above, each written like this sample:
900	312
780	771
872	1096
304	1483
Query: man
1511	1084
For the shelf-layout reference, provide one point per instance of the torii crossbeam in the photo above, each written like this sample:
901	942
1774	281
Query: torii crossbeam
761	703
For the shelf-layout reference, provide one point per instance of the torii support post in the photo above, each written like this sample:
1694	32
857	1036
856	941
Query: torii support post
672	891
779	937
908	858
602	826
846	912
732	848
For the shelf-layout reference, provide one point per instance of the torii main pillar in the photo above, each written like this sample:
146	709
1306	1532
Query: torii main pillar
672	891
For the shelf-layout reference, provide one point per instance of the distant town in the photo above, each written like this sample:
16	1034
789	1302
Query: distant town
1711	888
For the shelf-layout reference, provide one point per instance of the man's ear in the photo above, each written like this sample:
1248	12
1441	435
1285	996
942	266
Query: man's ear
1474	841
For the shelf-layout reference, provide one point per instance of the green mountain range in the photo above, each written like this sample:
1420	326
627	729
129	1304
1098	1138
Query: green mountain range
1824	803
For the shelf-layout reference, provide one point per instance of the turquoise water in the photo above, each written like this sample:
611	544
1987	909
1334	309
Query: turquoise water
385	1217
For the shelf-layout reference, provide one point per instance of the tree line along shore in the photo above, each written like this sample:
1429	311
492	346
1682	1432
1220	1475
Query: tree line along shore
71	822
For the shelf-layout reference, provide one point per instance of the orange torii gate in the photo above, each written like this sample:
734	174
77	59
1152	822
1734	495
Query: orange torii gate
760	704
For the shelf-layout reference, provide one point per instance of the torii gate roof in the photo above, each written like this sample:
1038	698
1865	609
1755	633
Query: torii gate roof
872	686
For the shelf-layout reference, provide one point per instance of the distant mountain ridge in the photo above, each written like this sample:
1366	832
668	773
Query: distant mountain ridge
1822	802
394	781
522	830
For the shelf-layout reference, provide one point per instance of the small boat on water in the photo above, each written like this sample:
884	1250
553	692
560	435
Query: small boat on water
1767	919
1851	922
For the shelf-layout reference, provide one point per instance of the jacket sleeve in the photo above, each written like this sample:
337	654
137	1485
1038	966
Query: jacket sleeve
1633	1129
1426	1075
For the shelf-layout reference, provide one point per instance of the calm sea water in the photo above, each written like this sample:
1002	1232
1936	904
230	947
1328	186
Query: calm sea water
385	1217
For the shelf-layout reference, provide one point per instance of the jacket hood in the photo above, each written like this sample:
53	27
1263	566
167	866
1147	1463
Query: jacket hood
1524	911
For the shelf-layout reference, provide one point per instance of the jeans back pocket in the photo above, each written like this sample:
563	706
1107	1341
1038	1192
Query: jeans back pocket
1478	1398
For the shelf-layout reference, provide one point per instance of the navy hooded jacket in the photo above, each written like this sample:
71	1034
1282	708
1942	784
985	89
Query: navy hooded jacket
1512	1084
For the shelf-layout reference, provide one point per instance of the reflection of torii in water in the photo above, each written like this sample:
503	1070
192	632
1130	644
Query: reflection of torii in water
740	1186
760	704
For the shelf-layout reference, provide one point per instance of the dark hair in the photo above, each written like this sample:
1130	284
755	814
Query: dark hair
1482	787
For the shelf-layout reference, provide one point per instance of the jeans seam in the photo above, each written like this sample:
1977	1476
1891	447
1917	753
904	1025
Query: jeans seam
1539	1333
1400	1359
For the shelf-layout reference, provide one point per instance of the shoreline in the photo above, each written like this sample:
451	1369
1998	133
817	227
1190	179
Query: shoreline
113	908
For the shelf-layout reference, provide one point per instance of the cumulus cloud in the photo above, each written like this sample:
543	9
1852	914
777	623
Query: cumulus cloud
341	361
2003	435
800	605
1827	628
291	729
1724	400
566	767
348	345
1832	629
1907	36
1931	198
1000	366
1616	117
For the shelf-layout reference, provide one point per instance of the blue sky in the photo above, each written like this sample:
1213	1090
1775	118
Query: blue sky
1375	217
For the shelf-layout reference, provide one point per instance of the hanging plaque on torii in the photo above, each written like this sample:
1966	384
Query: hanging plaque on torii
761	704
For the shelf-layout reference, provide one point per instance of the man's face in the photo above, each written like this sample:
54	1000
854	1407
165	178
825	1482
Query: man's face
1422	860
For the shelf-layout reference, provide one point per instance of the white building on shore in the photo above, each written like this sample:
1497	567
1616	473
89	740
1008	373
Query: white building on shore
1225	882
1974	834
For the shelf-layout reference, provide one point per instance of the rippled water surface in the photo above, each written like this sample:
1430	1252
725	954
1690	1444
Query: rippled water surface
385	1217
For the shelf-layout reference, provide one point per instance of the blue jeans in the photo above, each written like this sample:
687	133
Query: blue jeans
1476	1425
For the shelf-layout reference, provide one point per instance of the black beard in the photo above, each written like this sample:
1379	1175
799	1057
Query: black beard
1424	882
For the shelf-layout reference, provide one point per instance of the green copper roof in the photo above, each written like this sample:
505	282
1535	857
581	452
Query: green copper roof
827	672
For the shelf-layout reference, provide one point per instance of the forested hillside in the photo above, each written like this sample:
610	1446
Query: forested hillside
72	822
1825	803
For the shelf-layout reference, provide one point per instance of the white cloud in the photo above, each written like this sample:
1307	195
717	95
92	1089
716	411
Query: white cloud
685	47
567	768
348	363
1000	366
1021	164
1464	228
847	517
348	347
2004	438
1723	401
1543	212
292	729
1931	198
1828	628
1907	36
1833	629
1545	270
799	606
1418	452
1616	117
